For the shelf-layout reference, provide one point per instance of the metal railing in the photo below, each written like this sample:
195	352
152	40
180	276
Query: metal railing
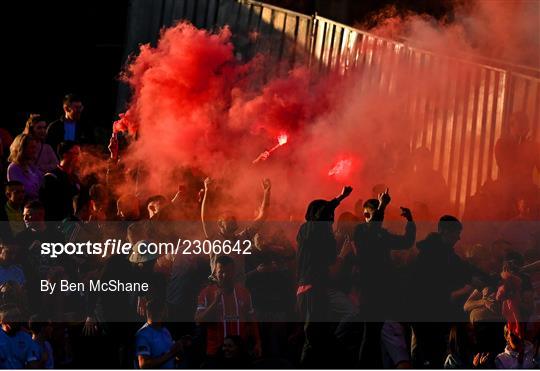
459	121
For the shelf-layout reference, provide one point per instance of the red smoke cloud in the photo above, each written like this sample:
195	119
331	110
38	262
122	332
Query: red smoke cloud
194	104
505	30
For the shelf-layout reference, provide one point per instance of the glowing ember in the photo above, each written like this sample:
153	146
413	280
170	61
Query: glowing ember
341	168
282	139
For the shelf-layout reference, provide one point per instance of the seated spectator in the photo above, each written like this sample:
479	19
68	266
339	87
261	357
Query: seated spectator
225	309
9	271
154	345
62	184
36	127
16	343
22	157
11	211
517	354
41	332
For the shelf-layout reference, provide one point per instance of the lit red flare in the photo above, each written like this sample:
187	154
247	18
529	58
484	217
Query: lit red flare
342	168
282	140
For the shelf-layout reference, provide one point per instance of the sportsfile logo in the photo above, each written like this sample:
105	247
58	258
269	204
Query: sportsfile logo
117	247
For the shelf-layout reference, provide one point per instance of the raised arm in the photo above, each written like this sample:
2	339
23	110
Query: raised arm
384	200
406	240
207	182
263	209
180	193
345	192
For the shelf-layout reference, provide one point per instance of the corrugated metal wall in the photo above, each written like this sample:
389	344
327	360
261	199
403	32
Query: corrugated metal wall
459	121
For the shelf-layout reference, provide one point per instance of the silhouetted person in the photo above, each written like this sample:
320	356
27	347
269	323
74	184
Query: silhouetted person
374	245
377	280
317	251
440	287
61	184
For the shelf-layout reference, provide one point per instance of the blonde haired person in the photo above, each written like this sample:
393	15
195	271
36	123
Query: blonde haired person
46	159
22	157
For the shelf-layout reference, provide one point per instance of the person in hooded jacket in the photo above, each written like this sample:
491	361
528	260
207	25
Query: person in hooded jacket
316	252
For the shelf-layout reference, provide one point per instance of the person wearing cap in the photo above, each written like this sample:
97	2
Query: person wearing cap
317	251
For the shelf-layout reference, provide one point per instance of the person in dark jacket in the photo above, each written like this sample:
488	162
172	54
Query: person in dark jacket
69	127
61	184
317	251
377	280
440	286
374	244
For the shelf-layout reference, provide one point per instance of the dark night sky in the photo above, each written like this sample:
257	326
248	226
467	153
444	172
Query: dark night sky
355	11
55	47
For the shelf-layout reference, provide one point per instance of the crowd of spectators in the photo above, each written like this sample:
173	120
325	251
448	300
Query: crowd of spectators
346	292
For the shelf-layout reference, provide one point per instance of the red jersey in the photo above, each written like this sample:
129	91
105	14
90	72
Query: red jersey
235	316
